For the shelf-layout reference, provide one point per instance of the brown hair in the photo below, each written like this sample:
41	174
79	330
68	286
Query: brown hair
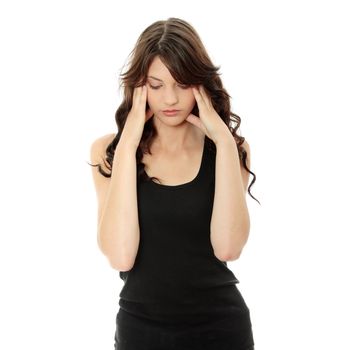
180	48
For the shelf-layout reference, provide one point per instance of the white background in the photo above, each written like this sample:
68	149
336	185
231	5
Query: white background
286	66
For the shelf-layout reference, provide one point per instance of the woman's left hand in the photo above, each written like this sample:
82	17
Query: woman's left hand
209	121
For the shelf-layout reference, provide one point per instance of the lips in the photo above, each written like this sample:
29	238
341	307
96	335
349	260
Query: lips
170	113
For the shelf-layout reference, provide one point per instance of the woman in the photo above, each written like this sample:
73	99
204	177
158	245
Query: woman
172	209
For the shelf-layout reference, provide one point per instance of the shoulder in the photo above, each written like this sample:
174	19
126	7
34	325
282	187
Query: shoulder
98	149
246	147
244	172
99	145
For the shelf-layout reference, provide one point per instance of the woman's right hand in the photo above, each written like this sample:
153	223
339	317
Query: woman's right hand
137	117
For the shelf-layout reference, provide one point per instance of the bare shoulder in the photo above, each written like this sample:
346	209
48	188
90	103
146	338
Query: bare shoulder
102	142
246	147
244	172
98	147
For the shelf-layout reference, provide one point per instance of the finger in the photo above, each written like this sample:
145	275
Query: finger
138	91
205	97
136	95
191	118
143	96
199	98
143	100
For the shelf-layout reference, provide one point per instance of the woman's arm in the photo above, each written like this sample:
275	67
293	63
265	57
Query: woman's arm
230	221
118	225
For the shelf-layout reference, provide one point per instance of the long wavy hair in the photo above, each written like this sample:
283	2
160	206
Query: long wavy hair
180	48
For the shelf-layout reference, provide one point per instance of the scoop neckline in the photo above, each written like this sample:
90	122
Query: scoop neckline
186	184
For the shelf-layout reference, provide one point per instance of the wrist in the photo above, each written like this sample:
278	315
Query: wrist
125	147
127	141
224	138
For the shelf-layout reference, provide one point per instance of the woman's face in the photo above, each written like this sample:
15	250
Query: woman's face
163	92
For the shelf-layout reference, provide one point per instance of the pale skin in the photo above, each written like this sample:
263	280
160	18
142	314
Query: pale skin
176	151
176	156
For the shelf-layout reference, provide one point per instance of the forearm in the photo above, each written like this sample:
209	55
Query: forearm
230	218
118	231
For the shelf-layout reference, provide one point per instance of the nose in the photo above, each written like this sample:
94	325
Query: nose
170	96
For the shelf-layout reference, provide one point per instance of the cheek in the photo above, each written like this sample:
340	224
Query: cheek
191	101
152	101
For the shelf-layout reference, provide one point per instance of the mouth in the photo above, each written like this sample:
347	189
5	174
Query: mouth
171	112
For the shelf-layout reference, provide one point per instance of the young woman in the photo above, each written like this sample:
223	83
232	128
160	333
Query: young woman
171	193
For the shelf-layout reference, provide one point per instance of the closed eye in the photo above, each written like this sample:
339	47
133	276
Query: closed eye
157	87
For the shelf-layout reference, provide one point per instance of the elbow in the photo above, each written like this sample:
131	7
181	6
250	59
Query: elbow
232	251
229	256
234	256
120	267
115	260
228	246
120	255
120	264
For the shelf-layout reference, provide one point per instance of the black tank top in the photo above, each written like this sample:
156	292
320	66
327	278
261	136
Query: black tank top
176	277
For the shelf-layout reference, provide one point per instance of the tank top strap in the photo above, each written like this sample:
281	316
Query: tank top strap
208	163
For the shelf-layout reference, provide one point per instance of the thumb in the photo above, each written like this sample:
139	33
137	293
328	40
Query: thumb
194	120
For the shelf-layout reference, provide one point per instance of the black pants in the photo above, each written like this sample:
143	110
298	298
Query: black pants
135	333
